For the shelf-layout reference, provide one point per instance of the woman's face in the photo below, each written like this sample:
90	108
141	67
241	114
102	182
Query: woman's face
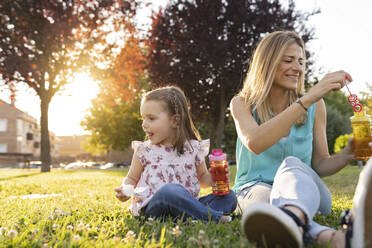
289	68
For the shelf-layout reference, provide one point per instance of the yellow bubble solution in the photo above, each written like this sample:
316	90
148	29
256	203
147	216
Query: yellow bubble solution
361	124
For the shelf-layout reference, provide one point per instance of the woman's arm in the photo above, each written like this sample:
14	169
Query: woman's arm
258	138
322	162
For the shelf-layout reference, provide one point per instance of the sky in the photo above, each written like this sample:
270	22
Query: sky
343	42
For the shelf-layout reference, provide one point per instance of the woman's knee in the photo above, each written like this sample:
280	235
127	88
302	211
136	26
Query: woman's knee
291	162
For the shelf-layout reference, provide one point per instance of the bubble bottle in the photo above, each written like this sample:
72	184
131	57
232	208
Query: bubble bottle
218	164
361	125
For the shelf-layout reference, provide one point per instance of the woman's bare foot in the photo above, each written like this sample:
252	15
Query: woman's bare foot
331	237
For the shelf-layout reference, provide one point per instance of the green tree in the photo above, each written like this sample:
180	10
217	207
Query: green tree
204	46
341	142
337	124
338	100
339	112
43	43
112	127
114	119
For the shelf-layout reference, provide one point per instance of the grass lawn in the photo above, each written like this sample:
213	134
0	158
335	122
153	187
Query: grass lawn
83	212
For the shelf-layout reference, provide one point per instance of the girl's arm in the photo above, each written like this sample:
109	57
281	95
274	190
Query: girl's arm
204	177
132	177
322	162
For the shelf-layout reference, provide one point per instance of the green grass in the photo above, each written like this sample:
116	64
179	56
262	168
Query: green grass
87	214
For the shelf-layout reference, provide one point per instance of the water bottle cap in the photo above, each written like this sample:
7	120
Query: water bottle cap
217	155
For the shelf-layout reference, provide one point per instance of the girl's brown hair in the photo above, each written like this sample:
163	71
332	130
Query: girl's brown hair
176	105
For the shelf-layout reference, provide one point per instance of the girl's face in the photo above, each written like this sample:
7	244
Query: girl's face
289	68
160	128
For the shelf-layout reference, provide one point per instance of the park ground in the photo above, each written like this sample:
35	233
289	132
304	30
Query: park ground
78	208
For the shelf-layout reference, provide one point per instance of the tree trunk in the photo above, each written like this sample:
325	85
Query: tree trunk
45	142
218	122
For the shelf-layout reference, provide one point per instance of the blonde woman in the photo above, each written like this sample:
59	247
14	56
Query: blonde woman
282	148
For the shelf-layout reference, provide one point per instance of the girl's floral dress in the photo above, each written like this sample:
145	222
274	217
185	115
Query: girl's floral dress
164	165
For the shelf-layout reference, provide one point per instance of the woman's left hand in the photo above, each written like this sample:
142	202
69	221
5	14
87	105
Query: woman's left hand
348	151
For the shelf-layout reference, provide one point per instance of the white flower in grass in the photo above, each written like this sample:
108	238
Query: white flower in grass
77	237
149	221
69	227
116	239
176	231
50	217
3	230
12	233
80	226
57	211
201	234
130	237
55	226
192	240
87	227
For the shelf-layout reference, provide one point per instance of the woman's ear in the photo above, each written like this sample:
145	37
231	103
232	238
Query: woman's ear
175	121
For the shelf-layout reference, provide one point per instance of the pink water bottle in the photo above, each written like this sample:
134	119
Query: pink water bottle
218	164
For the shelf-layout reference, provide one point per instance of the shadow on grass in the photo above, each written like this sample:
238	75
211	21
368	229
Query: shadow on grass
20	176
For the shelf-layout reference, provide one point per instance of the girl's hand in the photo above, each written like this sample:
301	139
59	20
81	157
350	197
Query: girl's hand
120	195
330	82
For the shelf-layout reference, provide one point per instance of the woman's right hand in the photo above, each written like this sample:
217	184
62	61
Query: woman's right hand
330	82
120	195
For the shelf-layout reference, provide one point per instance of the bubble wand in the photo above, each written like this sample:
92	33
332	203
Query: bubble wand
353	99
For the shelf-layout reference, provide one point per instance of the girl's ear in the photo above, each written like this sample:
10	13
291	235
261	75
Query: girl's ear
175	121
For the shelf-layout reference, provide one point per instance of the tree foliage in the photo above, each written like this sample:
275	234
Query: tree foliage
204	46
337	124
44	42
112	127
114	119
338	100
123	78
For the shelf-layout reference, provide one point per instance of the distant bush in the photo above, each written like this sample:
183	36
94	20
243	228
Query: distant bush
337	124
341	142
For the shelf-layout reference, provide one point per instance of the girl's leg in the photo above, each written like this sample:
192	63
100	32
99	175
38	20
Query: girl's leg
259	192
296	184
175	201
226	203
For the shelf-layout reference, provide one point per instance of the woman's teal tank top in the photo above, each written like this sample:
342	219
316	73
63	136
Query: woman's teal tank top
253	168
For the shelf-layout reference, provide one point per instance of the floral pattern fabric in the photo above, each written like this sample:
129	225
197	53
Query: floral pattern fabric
163	165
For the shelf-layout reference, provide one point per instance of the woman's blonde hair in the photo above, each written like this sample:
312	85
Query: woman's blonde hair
262	69
175	103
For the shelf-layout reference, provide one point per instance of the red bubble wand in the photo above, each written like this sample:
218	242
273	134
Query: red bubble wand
353	99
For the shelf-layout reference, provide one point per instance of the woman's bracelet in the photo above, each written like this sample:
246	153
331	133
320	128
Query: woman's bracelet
300	102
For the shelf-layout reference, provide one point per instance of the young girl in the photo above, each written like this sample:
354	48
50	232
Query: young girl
168	168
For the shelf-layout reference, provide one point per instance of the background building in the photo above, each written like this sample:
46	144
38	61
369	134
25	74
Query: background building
20	136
